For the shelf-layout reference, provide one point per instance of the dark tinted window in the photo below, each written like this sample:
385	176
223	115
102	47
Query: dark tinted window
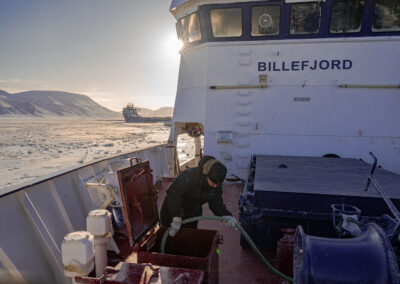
305	18
346	16
386	16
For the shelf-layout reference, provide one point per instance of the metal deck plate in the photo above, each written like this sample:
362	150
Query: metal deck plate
321	176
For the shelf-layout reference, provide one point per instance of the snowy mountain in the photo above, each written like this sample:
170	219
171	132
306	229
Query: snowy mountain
51	103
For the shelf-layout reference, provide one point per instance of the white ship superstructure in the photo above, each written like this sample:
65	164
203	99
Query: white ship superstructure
300	78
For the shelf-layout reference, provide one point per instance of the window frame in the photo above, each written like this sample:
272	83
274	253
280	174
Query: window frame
279	24
320	22
179	23
203	12
372	23
242	23
345	33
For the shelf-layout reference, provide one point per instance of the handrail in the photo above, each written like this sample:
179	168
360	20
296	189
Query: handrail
262	83
382	192
238	87
369	86
18	187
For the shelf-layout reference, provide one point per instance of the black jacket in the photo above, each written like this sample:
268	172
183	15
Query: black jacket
187	194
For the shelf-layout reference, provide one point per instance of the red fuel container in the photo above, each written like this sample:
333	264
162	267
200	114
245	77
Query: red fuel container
189	248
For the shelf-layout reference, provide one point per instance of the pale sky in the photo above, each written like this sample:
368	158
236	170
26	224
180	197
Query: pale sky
114	51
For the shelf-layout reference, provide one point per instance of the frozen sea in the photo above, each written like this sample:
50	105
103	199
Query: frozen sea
33	147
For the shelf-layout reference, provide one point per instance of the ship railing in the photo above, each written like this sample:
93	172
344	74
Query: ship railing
41	212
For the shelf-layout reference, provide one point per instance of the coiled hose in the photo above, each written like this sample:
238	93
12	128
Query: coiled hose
241	230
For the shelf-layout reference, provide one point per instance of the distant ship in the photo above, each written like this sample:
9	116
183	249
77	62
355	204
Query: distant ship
131	114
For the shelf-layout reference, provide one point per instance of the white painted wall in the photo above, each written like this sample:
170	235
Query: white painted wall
349	122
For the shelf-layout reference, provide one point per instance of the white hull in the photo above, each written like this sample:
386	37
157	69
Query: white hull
35	218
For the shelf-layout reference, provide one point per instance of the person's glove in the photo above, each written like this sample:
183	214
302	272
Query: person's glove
175	226
230	221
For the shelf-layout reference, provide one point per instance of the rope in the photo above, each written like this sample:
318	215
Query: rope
241	230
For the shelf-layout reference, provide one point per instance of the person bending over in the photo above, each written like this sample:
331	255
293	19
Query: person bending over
190	190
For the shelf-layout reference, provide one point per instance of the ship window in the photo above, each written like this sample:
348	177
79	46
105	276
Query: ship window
226	22
189	30
346	16
305	18
386	16
265	20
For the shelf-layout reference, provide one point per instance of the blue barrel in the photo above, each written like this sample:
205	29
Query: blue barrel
368	258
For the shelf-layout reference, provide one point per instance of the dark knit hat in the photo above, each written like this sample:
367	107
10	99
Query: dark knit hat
217	173
205	159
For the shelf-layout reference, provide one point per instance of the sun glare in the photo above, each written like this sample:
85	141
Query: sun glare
173	45
179	45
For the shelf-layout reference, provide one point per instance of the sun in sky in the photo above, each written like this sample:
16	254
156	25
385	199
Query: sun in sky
81	47
173	45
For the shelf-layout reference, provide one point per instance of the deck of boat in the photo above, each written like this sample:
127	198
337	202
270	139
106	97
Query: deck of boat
299	182
236	264
313	184
325	176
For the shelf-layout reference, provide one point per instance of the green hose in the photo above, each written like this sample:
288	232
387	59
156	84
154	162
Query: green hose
241	230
